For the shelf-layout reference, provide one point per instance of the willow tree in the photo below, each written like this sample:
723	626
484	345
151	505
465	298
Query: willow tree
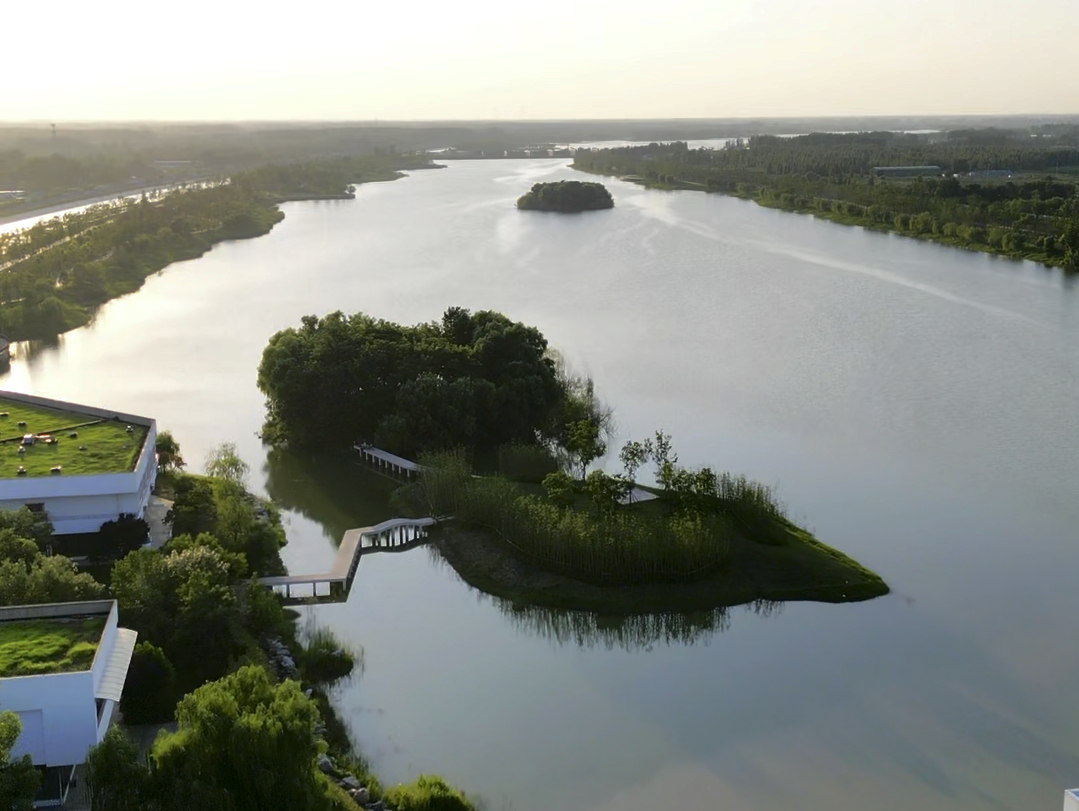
244	743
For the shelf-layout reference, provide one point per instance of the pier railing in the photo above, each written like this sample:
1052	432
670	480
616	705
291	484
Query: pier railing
394	535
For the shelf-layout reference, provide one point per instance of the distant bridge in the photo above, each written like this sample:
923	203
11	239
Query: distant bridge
395	535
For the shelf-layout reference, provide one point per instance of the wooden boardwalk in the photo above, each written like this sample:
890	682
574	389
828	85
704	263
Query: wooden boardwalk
395	535
386	462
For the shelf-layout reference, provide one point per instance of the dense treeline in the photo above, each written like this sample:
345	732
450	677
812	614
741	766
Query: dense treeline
75	264
56	172
56	273
328	177
566	196
1033	216
473	380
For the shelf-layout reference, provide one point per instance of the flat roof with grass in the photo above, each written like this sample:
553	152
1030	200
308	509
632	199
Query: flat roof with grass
34	647
79	443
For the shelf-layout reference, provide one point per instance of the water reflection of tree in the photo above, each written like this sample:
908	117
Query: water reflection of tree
33	351
333	490
589	629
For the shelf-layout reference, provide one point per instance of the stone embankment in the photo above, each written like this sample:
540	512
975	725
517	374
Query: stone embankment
284	665
356	790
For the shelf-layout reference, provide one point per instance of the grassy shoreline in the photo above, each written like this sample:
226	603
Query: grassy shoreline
756	572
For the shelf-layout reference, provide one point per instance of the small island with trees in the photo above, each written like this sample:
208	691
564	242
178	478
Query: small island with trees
505	437
567	197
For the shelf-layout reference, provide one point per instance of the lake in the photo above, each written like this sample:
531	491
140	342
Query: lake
917	406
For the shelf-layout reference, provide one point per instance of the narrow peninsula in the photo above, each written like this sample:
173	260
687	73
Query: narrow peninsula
566	197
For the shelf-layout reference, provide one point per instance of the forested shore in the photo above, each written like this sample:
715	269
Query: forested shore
1003	192
57	273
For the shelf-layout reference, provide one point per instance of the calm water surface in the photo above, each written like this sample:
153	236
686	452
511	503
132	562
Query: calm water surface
916	405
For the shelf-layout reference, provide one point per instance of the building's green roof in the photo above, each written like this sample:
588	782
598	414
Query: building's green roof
110	448
49	645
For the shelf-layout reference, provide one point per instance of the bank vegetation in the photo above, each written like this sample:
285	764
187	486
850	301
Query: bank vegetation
1004	192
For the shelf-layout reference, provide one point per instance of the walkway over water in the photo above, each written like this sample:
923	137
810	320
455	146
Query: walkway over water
394	535
387	462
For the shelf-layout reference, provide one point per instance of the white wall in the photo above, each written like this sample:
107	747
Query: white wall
1071	800
65	704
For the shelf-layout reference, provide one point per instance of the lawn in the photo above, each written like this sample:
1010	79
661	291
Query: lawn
31	647
109	448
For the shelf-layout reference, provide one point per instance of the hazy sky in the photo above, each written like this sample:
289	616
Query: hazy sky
320	59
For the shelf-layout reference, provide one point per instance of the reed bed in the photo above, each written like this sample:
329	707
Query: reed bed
624	547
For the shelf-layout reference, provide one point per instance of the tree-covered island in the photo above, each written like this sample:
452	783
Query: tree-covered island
566	196
506	437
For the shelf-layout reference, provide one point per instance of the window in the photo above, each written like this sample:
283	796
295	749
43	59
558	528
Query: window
37	507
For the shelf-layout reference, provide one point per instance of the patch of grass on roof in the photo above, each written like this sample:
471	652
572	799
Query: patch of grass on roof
34	647
109	447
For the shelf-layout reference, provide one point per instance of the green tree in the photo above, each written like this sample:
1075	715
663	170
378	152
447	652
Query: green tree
19	779
224	462
27	524
665	459
607	492
87	284
250	528
243	743
475	380
116	778
168	452
633	455
560	488
194	507
178	601
121	536
150	691
584	445
53	579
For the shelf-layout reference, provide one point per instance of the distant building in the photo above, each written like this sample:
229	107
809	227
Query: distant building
80	464
907	171
991	173
1071	800
12	194
66	702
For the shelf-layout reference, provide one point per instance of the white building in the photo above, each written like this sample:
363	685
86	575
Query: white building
63	714
1071	800
81	502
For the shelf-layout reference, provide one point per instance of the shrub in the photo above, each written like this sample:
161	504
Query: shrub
324	659
116	538
525	463
150	693
428	793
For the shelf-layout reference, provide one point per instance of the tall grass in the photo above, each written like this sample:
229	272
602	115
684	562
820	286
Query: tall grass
625	547
754	506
